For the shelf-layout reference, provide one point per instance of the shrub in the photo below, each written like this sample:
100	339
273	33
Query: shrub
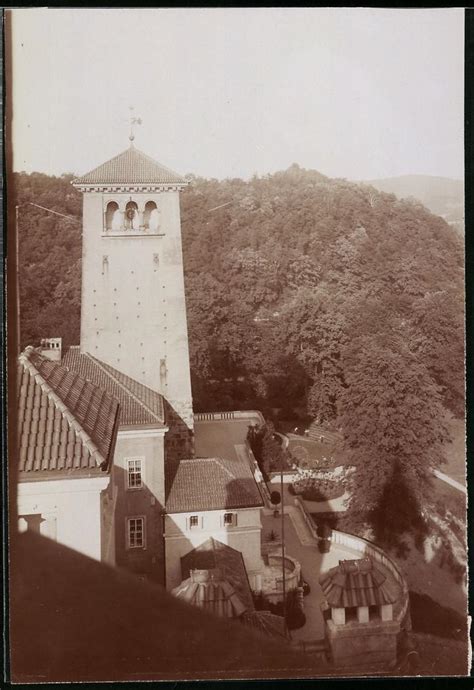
312	489
324	530
275	498
295	617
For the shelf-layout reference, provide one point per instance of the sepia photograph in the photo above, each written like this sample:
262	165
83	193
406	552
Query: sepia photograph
236	344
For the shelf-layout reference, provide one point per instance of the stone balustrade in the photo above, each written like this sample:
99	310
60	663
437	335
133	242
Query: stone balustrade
366	548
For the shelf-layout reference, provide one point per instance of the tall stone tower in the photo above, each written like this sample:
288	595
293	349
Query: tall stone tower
133	314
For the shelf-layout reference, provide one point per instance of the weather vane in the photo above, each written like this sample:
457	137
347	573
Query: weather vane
133	121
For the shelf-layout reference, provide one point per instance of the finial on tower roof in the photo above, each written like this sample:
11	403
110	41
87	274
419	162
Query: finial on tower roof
133	121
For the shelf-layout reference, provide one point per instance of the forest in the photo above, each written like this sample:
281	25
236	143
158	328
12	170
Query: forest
307	297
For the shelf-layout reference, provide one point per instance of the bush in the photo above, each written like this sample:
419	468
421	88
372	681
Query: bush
295	617
275	498
312	489
324	530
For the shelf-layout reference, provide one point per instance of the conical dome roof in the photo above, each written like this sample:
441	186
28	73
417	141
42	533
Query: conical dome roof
210	591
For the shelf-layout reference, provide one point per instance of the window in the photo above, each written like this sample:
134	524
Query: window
229	519
132	220
112	216
193	521
151	217
134	473
136	532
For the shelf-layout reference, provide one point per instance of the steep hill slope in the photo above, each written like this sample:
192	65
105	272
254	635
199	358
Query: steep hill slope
443	196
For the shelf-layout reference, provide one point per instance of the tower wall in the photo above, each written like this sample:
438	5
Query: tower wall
133	313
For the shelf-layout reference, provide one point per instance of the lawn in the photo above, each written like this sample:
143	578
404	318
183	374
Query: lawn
311	454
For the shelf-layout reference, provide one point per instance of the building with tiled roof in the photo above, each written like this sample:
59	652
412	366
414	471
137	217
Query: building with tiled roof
357	583
131	168
211	591
137	479
139	405
210	484
213	555
67	425
67	430
214	578
212	498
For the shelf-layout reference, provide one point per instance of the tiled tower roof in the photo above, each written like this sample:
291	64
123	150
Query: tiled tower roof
65	423
131	167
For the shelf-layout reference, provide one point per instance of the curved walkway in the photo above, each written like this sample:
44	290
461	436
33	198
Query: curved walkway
301	545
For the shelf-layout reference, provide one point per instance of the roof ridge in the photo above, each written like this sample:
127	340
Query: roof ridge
123	386
154	161
226	469
60	405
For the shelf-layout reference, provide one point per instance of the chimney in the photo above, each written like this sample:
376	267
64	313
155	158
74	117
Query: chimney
52	348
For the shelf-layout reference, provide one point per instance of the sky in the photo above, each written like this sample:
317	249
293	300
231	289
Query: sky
354	93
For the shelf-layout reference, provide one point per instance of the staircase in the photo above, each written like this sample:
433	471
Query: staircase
316	431
301	528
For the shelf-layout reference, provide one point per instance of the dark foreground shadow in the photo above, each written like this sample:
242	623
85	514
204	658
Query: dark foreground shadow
74	619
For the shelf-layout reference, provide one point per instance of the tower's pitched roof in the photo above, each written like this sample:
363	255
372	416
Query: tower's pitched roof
356	583
139	405
210	484
66	425
131	167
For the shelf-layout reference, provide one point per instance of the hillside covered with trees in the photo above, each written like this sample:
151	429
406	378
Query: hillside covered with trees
304	295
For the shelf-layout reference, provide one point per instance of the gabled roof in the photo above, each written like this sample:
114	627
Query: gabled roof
139	405
65	423
210	484
131	167
213	554
356	583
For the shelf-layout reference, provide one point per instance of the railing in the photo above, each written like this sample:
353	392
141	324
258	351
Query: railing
366	548
232	414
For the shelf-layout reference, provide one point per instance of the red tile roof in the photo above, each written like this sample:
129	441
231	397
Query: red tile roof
65	423
356	583
139	405
213	554
211	591
210	484
131	167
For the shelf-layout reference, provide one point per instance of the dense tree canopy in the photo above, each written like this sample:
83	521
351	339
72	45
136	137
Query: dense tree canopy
304	294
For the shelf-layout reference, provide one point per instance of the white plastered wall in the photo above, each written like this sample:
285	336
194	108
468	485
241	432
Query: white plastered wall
133	303
70	510
180	538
